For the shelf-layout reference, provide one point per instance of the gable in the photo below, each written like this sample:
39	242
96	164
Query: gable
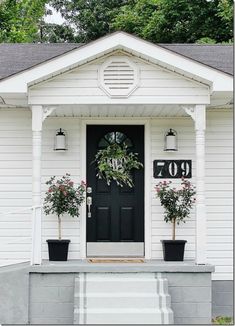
119	77
221	84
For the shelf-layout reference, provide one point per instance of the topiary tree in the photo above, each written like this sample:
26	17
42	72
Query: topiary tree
176	202
63	197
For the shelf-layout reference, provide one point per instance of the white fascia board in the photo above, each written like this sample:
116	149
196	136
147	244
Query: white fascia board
118	41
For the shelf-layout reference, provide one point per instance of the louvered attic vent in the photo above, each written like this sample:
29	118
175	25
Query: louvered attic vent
118	76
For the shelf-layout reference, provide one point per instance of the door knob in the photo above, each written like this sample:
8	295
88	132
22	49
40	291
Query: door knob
89	190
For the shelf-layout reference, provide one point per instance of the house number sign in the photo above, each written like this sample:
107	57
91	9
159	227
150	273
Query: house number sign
172	169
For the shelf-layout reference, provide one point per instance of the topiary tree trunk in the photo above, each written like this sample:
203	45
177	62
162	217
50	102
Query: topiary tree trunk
59	227
173	228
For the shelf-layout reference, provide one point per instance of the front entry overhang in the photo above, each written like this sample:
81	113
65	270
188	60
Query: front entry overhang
15	90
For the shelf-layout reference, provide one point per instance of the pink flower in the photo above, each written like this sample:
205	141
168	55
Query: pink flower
65	193
62	187
71	183
83	183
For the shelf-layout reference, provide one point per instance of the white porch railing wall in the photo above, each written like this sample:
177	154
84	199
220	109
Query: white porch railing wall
17	240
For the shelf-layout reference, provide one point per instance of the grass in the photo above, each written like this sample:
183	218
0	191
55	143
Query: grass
222	320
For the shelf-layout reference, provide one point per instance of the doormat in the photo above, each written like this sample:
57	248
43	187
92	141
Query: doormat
99	260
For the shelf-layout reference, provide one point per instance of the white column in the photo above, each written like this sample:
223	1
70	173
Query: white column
201	229
198	114
37	119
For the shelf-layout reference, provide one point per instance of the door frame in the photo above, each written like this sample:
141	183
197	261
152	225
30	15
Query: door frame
147	175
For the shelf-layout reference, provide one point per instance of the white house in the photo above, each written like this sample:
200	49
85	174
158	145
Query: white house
121	85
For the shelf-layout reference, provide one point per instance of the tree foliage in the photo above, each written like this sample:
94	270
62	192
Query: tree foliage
54	33
178	21
166	21
91	18
19	20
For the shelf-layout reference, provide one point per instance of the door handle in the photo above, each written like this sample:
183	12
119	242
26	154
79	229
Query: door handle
89	203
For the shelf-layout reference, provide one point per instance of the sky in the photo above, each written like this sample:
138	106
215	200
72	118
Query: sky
55	18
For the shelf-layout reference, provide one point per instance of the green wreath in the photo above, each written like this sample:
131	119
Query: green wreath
115	163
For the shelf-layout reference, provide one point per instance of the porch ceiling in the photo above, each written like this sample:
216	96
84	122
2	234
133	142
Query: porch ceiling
119	111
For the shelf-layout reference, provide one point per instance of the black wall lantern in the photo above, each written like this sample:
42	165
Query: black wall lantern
171	141
60	140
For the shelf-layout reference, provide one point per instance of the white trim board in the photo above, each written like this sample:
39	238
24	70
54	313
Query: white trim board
147	178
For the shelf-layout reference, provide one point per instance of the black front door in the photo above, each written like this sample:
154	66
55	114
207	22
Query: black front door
115	219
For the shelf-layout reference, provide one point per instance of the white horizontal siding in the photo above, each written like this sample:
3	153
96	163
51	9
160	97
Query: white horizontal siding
219	186
16	183
59	163
16	186
156	85
160	229
15	190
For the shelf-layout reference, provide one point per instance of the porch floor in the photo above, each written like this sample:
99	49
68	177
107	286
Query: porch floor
76	266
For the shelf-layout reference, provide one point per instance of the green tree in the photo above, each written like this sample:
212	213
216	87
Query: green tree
19	20
54	33
91	18
179	21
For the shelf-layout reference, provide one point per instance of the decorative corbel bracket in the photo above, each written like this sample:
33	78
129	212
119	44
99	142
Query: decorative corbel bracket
190	110
198	114
39	114
46	111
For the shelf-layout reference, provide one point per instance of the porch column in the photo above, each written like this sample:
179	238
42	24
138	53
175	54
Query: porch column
37	119
198	114
39	114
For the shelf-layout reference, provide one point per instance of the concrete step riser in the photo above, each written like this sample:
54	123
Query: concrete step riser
109	318
110	287
121	301
124	284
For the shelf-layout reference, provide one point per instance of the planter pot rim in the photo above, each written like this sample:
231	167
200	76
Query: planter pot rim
173	241
58	241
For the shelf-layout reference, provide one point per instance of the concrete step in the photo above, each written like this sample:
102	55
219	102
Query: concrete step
123	316
121	298
124	283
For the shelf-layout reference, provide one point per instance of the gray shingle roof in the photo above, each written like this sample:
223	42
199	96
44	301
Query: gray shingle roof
18	57
216	56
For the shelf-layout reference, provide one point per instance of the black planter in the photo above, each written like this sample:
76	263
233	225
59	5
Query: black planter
173	250
58	249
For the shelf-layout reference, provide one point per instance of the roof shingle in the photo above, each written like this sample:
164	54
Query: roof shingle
18	57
